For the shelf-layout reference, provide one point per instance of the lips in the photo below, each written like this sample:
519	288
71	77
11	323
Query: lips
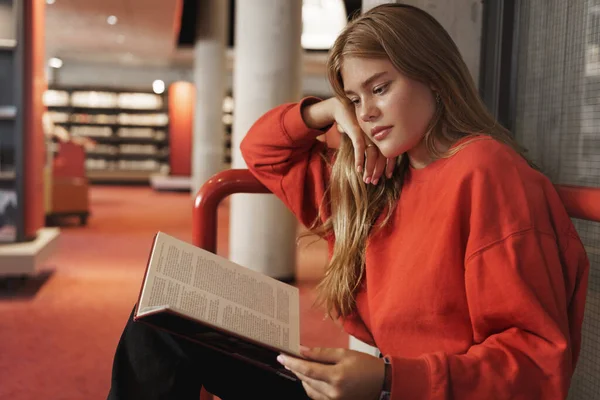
380	132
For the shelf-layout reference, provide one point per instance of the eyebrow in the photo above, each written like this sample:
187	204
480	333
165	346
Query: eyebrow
368	81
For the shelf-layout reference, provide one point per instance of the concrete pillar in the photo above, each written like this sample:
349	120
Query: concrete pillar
267	73
462	20
209	79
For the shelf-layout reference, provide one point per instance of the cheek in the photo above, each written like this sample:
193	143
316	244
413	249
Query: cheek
415	112
361	123
363	127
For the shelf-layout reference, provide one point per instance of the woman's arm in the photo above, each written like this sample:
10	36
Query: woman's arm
318	115
281	149
283	152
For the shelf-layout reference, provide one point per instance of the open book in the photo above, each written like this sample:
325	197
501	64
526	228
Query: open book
196	294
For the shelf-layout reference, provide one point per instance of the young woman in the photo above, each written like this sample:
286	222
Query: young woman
449	252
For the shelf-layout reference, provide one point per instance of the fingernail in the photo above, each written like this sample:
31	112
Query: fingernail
359	169
280	359
368	180
304	348
375	181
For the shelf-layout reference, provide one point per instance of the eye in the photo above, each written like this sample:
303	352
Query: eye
355	101
381	89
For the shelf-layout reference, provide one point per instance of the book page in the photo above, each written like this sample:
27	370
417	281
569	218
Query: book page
216	291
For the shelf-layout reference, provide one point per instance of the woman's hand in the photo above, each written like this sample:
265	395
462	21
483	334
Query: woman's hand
369	160
337	373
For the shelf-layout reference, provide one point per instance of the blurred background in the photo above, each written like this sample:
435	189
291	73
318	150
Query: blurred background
113	114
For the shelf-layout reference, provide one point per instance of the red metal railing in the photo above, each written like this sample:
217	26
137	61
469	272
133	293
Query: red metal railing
210	195
580	202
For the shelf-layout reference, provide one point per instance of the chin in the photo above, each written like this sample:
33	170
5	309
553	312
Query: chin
391	151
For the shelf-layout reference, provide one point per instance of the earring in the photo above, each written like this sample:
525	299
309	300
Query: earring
438	98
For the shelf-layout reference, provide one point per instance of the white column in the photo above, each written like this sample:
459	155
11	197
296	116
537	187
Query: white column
462	20
267	73
209	78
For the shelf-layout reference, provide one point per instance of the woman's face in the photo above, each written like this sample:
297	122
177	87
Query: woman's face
394	111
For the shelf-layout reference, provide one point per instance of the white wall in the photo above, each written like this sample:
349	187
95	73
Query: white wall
462	20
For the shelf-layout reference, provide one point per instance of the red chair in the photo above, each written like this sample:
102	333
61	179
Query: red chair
580	202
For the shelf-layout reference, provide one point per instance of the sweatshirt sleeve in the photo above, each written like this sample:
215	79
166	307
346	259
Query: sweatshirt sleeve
286	156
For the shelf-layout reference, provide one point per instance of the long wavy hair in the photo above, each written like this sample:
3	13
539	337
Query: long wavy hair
421	49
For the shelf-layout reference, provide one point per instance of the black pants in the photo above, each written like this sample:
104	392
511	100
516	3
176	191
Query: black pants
151	364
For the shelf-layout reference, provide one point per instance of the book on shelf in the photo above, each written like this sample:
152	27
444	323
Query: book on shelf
56	98
216	303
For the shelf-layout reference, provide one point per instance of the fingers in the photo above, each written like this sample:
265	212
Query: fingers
359	154
313	393
314	388
376	166
379	168
358	143
369	160
390	165
372	154
313	370
324	355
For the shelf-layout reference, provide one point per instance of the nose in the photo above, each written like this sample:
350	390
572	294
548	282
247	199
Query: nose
368	111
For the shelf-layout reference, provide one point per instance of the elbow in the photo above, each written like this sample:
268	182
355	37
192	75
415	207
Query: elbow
247	150
557	367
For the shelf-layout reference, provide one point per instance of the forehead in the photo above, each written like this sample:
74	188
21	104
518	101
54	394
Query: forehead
356	70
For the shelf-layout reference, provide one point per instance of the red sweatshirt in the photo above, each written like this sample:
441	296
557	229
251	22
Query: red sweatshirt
475	289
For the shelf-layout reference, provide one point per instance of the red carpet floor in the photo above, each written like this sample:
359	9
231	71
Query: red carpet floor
57	342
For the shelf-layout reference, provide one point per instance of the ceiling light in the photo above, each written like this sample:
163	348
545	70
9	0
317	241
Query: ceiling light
158	86
112	20
50	2
55	62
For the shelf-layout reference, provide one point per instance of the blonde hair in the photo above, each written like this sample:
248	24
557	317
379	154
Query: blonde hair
419	47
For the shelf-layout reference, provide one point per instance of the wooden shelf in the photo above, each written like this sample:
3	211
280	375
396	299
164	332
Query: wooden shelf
127	139
8	44
106	110
84	118
160	156
91	124
8	112
142	140
127	156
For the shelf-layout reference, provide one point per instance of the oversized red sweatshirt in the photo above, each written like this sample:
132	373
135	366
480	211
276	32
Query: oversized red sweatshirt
475	289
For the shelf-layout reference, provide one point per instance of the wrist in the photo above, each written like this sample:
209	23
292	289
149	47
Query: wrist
386	388
318	115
